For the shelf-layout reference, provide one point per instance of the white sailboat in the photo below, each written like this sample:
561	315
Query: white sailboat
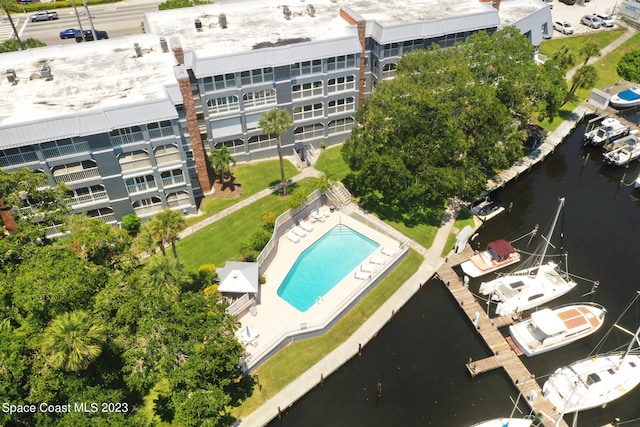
531	287
596	380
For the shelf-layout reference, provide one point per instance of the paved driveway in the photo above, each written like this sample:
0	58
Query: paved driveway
572	14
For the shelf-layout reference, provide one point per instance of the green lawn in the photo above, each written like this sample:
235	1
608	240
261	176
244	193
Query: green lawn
332	164
253	178
222	240
293	360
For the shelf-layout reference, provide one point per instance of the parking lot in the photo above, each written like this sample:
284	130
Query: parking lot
573	14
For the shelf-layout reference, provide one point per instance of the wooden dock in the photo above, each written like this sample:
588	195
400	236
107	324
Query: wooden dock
503	355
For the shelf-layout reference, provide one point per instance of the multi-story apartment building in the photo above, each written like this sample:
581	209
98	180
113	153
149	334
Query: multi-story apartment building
127	123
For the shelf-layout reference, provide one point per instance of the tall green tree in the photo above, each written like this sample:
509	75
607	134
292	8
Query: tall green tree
589	50
219	160
164	278
629	66
165	228
73	341
274	122
564	57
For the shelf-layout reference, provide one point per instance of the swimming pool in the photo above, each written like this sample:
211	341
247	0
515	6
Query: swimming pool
323	264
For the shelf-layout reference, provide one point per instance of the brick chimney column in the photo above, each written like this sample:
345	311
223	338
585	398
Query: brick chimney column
199	154
354	18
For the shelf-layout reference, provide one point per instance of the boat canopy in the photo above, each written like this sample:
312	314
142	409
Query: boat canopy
502	248
548	322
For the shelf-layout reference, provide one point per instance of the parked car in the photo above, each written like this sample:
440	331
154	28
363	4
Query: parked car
568	2
69	33
591	21
563	26
607	21
88	36
43	16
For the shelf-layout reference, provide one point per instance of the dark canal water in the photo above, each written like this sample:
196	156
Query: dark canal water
419	357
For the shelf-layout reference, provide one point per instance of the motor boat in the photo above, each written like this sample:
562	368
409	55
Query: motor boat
609	130
506	422
499	254
626	150
626	98
531	287
549	329
485	209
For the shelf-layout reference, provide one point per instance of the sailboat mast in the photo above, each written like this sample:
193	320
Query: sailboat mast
630	346
553	227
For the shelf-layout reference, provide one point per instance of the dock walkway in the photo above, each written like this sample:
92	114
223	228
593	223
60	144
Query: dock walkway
503	355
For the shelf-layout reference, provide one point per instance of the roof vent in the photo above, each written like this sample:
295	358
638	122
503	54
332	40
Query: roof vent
286	11
222	20
311	10
45	73
11	76
136	48
198	24
164	45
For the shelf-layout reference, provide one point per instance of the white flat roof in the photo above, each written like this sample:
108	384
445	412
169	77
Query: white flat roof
388	12
87	77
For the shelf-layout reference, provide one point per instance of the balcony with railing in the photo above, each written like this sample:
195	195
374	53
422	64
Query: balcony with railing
141	186
131	164
148	209
105	217
162	132
179	199
127	138
18	159
87	199
168	158
66	150
173	180
77	176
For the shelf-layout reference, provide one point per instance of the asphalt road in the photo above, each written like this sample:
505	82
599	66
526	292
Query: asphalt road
117	19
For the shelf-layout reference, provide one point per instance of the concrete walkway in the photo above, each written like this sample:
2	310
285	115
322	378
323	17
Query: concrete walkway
606	50
330	363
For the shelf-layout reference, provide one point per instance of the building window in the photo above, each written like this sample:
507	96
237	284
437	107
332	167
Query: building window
260	75
234	145
307	111
306	90
126	135
306	67
138	184
172	177
134	160
256	99
388	71
261	141
303	133
223	104
341	105
410	45
64	147
341	62
391	50
160	129
17	156
340	126
222	81
341	84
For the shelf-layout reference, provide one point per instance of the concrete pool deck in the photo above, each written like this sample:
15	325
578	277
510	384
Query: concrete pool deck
276	320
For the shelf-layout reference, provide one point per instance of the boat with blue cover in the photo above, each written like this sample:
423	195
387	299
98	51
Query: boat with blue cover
626	98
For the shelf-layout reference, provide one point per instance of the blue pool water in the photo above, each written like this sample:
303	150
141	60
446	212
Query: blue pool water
322	265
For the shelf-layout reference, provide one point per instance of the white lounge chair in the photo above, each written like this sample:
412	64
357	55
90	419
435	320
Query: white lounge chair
369	268
387	251
362	275
376	260
292	237
299	231
305	226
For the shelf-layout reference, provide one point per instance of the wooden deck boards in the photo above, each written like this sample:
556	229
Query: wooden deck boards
503	355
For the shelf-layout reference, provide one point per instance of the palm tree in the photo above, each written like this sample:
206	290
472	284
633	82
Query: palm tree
164	278
5	6
165	227
564	57
219	161
274	122
73	340
589	50
585	77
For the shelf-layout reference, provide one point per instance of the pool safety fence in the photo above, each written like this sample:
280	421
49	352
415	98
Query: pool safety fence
317	327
